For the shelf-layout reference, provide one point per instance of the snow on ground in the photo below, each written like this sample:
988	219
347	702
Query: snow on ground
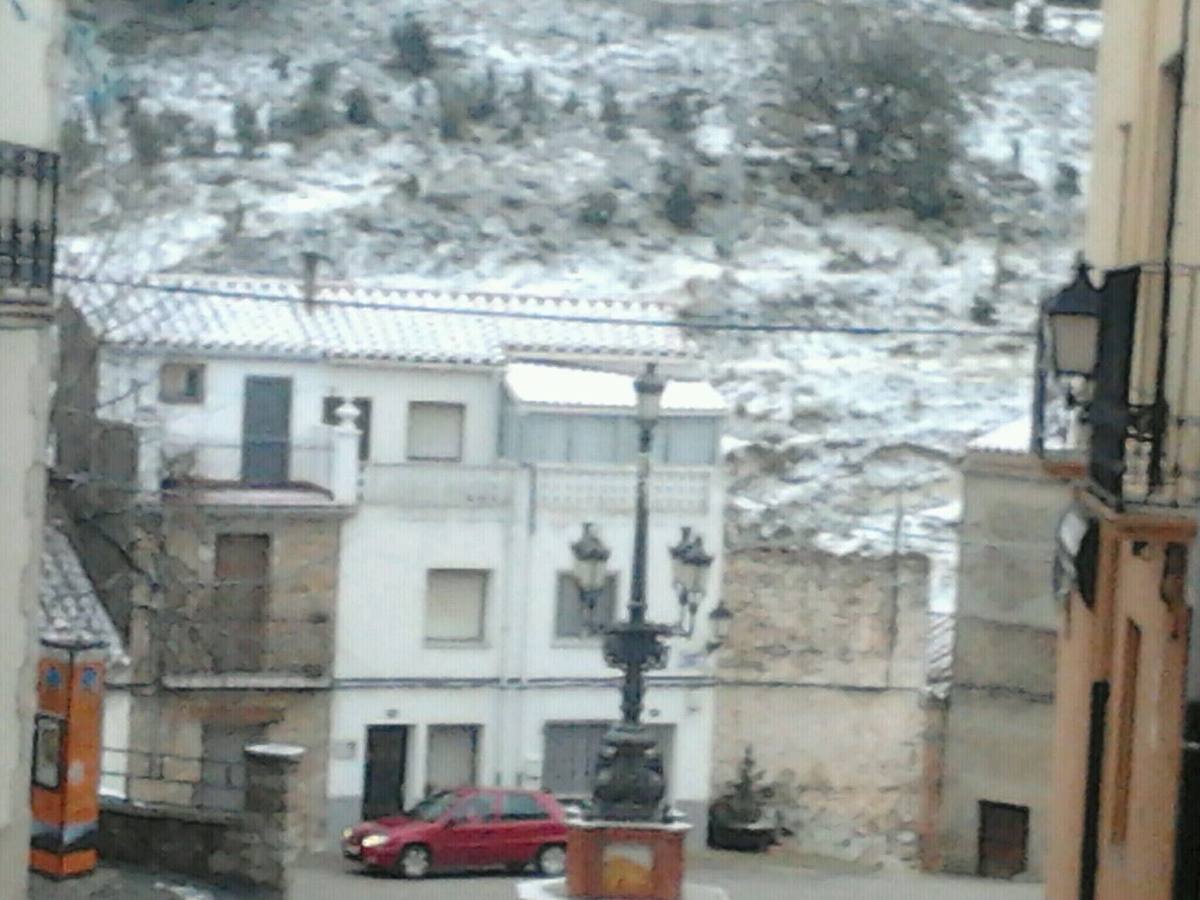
830	432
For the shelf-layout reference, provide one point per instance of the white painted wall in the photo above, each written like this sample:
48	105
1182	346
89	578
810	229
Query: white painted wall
690	710
31	35
131	380
381	593
24	407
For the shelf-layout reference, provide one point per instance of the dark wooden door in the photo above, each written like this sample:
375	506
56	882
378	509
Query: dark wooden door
383	777
266	427
236	627
1003	839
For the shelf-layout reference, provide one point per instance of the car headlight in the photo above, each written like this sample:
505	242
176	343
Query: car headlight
374	840
347	833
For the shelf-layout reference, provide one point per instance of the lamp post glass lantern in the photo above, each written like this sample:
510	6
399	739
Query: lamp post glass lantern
1073	319
629	782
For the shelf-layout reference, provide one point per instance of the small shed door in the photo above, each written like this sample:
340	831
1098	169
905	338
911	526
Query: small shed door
1003	839
266	427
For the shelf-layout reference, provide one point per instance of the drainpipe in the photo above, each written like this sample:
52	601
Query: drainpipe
1179	65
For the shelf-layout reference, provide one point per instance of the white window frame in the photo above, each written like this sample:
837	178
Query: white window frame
444	641
171	396
413	407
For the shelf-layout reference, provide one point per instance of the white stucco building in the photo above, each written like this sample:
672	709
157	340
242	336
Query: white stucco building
30	61
491	428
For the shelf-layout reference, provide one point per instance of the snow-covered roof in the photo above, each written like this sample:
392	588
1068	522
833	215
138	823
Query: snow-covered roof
565	386
69	609
271	317
1013	437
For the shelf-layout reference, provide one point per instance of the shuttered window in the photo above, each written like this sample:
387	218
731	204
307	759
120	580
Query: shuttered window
435	431
181	383
453	751
454	604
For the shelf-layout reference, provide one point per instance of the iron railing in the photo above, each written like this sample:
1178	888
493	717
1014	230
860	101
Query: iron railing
1126	436
28	219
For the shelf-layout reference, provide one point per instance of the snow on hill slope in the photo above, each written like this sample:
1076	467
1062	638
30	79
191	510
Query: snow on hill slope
548	190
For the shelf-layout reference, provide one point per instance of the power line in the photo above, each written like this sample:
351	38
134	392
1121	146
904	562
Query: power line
699	323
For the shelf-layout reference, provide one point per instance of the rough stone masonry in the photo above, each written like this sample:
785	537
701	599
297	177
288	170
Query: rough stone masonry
824	675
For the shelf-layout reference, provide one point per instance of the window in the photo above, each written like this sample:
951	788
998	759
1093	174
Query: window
454	604
479	808
521	808
1126	729
329	417
235	629
435	431
452	757
181	383
569	618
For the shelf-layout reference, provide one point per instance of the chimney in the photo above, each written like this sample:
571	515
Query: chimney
311	260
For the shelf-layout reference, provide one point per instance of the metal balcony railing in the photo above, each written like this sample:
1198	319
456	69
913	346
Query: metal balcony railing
28	222
287	463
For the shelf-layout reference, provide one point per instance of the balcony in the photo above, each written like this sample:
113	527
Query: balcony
294	465
439	486
555	487
28	226
206	650
611	489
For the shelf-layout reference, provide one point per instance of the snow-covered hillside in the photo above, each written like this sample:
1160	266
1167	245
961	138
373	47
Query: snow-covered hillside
829	429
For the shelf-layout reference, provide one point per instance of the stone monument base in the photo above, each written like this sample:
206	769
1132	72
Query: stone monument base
625	860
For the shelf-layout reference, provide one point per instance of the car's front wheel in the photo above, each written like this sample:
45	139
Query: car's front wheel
413	861
552	860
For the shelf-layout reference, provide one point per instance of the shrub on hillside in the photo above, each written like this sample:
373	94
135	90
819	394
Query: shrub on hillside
414	46
680	208
886	95
358	107
245	128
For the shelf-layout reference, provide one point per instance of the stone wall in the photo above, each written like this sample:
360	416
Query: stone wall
1000	714
256	847
170	725
823	675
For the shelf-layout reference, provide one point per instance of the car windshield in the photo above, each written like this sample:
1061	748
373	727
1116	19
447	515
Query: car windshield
431	808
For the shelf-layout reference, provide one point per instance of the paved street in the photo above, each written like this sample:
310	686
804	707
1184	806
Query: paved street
741	877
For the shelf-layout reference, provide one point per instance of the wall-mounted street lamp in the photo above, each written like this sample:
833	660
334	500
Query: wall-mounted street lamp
629	779
1073	319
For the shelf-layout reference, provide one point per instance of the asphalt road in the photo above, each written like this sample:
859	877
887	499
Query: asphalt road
741	877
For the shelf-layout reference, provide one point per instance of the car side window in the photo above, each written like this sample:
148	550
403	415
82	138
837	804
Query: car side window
478	807
521	808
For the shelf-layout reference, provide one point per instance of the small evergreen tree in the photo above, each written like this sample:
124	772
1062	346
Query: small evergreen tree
680	207
414	46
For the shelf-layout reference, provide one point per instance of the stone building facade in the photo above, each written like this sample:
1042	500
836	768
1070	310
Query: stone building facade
826	658
999	728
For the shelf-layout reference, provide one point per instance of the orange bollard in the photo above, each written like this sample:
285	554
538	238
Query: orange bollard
65	783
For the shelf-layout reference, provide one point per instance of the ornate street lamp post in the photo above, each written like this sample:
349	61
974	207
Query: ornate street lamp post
629	781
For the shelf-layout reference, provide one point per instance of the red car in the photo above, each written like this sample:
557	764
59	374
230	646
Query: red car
469	828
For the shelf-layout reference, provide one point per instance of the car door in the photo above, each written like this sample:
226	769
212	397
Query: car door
522	827
468	832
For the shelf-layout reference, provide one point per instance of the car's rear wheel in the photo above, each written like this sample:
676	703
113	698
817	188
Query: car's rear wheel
552	860
413	861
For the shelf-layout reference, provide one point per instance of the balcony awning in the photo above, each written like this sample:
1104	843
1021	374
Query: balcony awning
574	388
